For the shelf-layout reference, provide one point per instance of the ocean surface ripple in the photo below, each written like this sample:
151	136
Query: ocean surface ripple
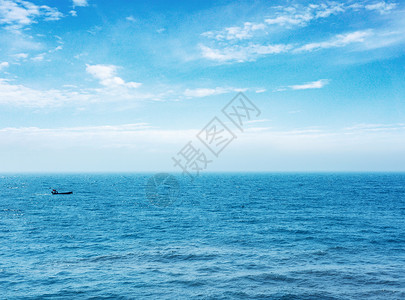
226	236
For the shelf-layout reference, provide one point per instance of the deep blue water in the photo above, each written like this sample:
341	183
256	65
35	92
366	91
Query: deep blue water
227	236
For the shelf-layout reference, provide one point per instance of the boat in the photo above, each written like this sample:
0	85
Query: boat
55	192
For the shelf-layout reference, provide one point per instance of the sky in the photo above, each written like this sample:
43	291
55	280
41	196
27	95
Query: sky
124	86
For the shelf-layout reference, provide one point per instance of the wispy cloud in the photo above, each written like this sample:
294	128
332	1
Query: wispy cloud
20	95
236	32
375	128
39	57
80	3
310	85
4	65
363	137
13	94
20	56
318	84
113	89
257	121
242	53
339	40
50	13
248	42
363	39
130	19
204	92
296	15
382	7
299	15
89	148
135	135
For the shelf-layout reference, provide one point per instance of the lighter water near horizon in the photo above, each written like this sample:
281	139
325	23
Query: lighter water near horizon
227	236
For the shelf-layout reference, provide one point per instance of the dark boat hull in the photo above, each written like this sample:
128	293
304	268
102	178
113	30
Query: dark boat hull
67	193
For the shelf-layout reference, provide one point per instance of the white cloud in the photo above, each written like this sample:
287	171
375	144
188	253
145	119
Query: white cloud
204	92
20	95
247	43
73	13
358	40
93	30
106	74
290	18
137	135
382	7
80	3
39	57
20	55
257	121
310	85
88	129
50	14
17	14
242	53
298	149
235	33
13	94
298	15
375	127
326	10
101	72
43	148
114	89
131	19
3	65
286	20
339	40
385	39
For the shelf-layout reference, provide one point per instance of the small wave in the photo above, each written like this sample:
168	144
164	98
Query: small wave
320	252
210	270
106	258
265	277
185	257
188	283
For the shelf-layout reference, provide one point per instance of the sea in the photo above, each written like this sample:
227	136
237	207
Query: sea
219	236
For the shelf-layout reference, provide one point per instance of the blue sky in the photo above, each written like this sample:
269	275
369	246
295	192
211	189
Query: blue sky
123	85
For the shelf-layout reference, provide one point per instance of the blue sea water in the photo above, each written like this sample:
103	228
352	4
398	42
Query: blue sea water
227	236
